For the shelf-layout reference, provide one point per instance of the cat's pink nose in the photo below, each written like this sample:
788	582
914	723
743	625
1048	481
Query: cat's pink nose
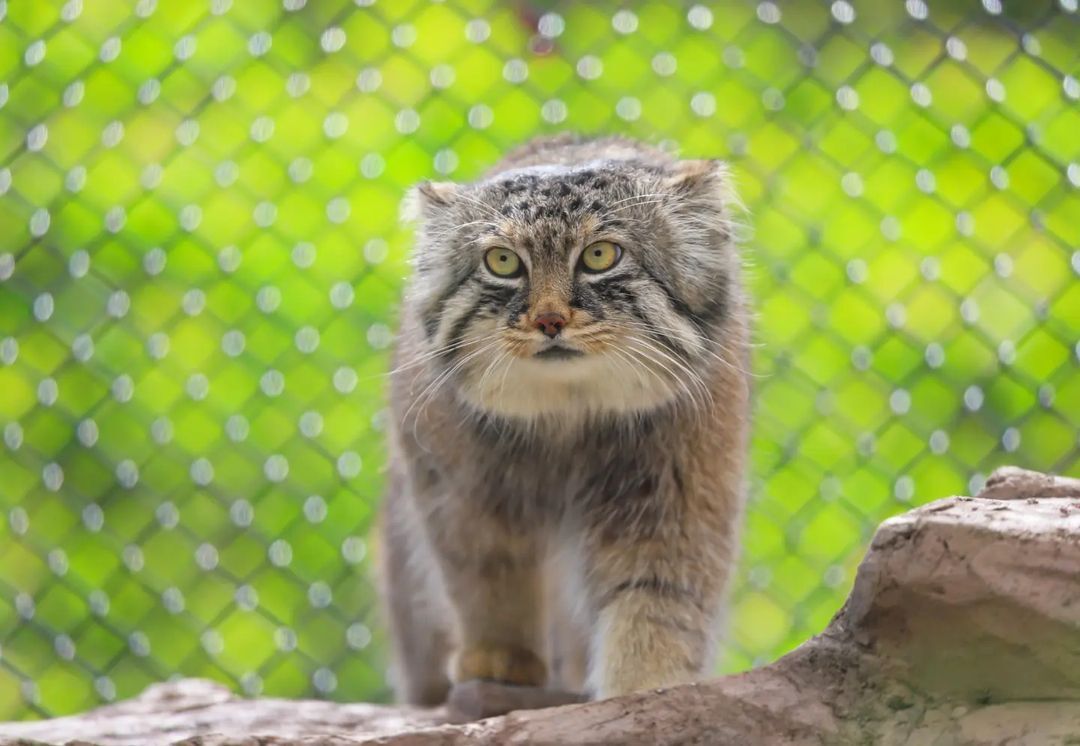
550	323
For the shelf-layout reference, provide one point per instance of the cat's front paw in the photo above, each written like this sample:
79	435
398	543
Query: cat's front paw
510	665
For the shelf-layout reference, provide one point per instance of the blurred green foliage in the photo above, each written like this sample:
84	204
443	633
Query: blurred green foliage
200	258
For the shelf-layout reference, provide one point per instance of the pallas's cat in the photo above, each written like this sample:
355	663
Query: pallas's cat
569	415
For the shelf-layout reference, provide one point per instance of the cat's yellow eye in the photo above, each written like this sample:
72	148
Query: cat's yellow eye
503	262
600	256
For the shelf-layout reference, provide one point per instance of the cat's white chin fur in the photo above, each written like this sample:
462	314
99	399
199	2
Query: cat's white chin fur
569	389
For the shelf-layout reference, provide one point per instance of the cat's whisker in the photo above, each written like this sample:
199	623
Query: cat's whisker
702	345
637	196
684	394
482	205
597	337
432	388
694	377
631	363
506	370
457	228
635	204
425	357
688	338
649	351
625	360
487	371
441	351
472	241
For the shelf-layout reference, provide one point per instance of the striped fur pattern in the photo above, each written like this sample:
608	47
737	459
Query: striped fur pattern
567	519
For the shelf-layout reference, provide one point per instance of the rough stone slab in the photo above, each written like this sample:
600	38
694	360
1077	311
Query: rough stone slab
963	627
1011	483
191	708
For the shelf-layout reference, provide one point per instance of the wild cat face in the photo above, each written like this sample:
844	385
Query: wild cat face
557	290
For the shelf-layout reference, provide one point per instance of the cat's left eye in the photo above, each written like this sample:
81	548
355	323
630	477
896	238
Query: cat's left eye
600	256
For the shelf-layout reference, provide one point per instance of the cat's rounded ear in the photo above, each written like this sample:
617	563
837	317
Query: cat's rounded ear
697	179
426	198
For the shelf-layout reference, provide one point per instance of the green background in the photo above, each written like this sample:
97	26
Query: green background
200	260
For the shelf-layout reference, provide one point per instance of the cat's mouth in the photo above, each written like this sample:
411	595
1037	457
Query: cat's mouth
557	352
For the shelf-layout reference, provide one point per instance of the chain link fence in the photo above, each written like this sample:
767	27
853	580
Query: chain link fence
200	258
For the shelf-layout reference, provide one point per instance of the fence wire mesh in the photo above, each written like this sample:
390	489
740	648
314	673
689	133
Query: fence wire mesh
200	257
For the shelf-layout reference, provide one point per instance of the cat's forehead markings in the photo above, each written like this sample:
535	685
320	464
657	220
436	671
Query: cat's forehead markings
538	240
556	180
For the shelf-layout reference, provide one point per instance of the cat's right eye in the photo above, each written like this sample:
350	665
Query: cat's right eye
503	262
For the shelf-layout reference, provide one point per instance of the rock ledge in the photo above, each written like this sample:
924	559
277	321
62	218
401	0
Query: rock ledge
963	627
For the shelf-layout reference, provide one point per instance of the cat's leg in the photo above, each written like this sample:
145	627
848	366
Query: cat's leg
567	623
419	615
656	590
569	654
493	578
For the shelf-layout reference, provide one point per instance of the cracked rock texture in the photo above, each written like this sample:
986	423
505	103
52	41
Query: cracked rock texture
963	627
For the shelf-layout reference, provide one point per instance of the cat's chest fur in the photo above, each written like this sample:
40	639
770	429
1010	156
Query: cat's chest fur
538	476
